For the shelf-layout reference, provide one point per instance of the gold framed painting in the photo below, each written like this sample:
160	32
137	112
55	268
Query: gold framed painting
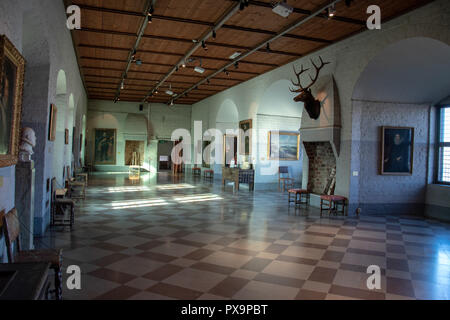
12	66
245	138
285	148
52	122
397	151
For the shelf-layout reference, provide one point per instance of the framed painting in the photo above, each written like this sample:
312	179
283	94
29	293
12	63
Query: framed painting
285	148
12	66
397	150
105	146
245	139
52	123
230	150
66	136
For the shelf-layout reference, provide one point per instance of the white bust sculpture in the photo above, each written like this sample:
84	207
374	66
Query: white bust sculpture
27	143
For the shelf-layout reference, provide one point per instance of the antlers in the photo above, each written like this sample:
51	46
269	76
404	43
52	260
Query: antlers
313	80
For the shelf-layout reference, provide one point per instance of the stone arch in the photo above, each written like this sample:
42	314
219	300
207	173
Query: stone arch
413	70
59	149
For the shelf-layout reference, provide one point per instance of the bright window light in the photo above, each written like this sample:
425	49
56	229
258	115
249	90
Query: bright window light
175	187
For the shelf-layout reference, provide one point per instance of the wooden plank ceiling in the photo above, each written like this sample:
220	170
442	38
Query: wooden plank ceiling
110	28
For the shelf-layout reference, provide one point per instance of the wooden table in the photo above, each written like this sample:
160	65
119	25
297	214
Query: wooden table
24	281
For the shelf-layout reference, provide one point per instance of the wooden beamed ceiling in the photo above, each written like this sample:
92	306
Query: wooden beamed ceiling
110	28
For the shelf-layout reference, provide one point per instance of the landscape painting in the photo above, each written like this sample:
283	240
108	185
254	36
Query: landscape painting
283	146
105	146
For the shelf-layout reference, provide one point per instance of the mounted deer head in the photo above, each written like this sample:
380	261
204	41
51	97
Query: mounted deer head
312	105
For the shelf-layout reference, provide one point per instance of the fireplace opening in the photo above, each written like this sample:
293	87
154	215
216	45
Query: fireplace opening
321	168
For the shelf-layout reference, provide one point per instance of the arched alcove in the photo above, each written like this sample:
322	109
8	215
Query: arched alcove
135	136
59	150
414	70
278	100
70	123
396	89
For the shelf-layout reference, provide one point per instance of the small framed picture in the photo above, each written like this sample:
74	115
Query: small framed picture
283	146
397	150
66	136
52	123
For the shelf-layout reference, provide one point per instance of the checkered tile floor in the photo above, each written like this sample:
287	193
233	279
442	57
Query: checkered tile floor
189	239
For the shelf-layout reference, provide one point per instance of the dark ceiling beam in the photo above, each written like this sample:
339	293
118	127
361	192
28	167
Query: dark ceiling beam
157	73
154	81
227	26
89	83
163	65
271	65
308	12
211	44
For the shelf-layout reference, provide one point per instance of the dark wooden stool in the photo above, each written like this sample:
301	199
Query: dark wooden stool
208	174
301	196
332	203
196	172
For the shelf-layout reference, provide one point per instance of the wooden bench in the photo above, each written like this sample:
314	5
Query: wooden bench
196	172
332	203
302	196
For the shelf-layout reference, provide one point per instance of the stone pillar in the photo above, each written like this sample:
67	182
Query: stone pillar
25	173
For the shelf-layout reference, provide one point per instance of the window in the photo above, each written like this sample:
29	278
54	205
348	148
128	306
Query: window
443	174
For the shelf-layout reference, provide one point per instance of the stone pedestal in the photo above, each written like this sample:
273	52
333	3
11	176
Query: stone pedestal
25	202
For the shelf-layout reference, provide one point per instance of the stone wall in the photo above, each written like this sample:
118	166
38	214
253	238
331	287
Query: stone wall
321	161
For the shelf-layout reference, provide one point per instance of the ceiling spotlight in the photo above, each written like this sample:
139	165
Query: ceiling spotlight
150	19
226	72
169	91
234	55
152	10
122	86
214	34
199	69
156	91
176	69
139	62
184	64
282	9
204	45
171	102
207	81
332	11
236	65
268	48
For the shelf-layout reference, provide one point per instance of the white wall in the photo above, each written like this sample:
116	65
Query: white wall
38	30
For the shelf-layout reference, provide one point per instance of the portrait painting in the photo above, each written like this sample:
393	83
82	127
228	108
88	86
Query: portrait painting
284	146
397	150
245	137
12	67
105	146
52	123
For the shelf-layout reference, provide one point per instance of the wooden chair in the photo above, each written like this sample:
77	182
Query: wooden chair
11	229
301	196
284	179
62	210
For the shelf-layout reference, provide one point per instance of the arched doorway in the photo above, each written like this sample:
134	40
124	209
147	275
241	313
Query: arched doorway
59	149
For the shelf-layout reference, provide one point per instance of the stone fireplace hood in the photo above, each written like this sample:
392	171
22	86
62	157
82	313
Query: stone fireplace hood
327	128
